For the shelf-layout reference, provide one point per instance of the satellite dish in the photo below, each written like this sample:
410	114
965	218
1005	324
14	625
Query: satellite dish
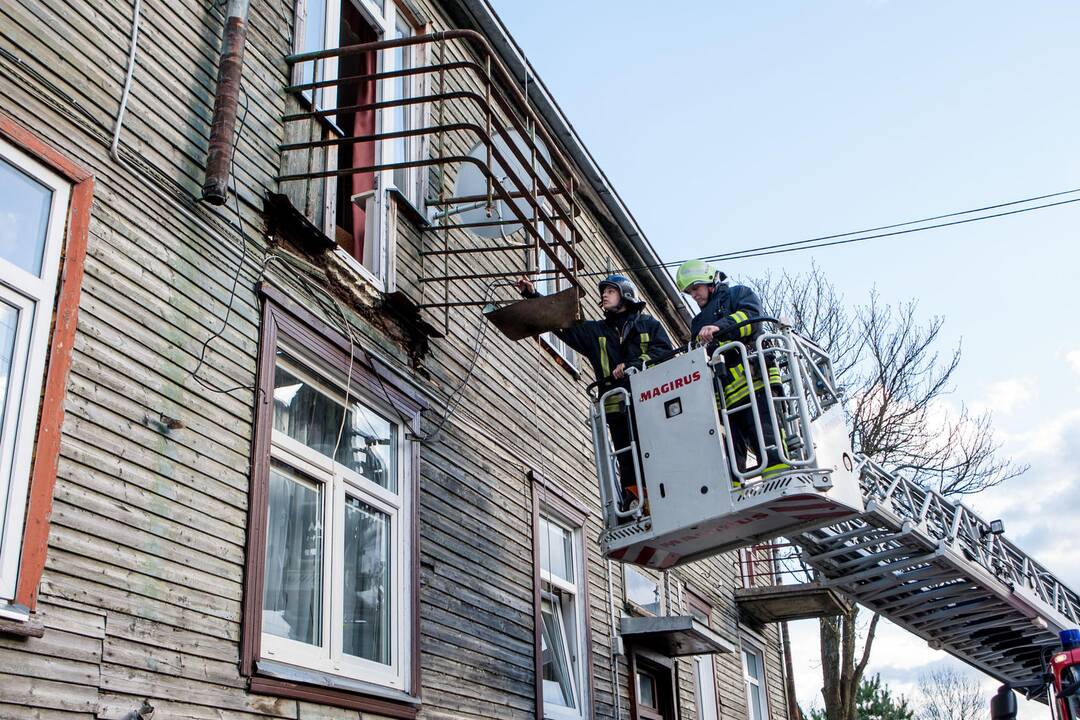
472	181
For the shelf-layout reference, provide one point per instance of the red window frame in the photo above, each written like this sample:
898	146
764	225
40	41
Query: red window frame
66	311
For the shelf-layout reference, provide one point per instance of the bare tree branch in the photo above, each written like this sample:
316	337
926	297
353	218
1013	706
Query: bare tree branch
896	383
949	695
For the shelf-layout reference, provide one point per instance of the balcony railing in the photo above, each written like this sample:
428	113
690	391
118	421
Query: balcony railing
470	100
772	564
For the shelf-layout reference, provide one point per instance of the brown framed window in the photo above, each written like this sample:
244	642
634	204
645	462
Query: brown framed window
563	640
332	540
45	204
652	690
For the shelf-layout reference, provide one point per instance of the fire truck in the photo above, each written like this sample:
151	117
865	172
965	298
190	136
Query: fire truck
875	535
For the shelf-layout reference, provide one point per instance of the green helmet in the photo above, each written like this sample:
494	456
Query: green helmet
694	272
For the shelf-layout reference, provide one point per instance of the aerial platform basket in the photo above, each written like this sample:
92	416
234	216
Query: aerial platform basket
697	497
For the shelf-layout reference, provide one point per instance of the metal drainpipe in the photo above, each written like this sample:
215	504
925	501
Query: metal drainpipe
219	155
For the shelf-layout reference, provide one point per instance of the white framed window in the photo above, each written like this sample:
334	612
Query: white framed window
336	581
357	212
549	285
757	707
563	611
706	697
33	214
642	591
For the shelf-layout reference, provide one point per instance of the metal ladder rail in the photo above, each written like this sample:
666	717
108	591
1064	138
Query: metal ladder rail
936	569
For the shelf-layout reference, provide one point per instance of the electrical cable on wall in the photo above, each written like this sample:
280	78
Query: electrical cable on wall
194	373
114	152
114	149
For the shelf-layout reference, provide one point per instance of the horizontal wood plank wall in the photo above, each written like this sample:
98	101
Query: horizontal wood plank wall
142	589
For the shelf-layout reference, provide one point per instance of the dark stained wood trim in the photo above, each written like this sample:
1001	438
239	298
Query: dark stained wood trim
559	499
415	562
35	540
538	619
668	697
255	557
282	319
331	696
308	323
562	502
631	679
698	601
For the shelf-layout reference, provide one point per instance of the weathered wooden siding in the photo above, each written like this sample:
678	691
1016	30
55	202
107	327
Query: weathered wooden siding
142	592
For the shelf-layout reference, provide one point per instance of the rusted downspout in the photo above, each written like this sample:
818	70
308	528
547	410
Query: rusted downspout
219	155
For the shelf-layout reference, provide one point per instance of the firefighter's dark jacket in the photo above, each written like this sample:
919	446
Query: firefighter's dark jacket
629	337
727	307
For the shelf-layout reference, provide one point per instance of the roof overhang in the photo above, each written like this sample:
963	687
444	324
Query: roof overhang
673	635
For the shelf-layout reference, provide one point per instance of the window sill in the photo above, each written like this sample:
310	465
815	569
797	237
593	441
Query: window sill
281	680
357	269
412	212
17	621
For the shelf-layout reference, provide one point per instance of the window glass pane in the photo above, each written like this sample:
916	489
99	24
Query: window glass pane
9	324
699	614
314	39
368	442
755	702
751	664
292	590
642	590
556	550
554	642
24	218
402	114
367	582
646	689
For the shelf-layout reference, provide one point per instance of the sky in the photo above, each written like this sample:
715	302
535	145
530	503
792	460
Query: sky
731	125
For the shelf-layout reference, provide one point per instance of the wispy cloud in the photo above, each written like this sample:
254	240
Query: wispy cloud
1073	358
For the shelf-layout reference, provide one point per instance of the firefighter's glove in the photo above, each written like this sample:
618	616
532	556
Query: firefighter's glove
707	333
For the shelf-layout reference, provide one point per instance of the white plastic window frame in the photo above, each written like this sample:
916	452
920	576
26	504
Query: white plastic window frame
705	687
382	229
34	296
338	482
559	589
550	285
749	680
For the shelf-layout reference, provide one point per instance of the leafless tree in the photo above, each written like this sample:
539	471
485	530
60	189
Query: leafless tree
895	380
949	695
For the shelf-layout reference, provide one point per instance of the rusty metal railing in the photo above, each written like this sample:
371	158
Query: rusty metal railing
546	211
771	564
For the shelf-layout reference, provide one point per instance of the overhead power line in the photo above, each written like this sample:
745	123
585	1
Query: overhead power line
865	234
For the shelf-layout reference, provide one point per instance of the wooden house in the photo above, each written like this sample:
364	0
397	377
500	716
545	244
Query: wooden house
262	454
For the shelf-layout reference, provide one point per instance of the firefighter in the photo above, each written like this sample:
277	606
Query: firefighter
625	338
724	309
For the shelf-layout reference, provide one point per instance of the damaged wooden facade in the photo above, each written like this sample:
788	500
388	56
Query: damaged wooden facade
232	486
